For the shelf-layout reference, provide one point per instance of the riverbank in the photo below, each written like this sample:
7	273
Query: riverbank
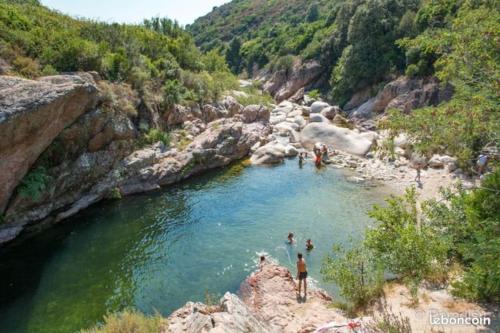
267	301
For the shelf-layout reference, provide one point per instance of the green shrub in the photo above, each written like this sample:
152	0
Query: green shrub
129	321
402	244
359	278
470	222
314	94
156	135
34	184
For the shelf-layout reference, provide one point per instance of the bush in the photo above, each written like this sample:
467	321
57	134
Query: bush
359	278
156	135
314	94
129	321
119	98
402	244
26	67
470	222
34	184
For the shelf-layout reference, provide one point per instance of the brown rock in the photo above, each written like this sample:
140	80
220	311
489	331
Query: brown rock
283	86
32	114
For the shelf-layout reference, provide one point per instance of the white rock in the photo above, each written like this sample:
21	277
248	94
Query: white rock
291	151
317	107
339	138
318	118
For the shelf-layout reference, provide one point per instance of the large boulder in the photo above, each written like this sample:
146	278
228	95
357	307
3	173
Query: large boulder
32	114
232	105
339	138
271	153
318	106
365	111
252	113
407	94
318	118
284	85
330	112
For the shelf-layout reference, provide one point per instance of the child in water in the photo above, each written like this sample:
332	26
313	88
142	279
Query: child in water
309	245
290	238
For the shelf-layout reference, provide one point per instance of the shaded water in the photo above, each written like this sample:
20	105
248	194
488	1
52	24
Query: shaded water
158	250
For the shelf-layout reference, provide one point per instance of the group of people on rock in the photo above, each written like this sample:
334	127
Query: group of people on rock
321	155
301	263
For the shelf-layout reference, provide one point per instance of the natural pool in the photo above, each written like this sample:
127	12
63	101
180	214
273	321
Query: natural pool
158	250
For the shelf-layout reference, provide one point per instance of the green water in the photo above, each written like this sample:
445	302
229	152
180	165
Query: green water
158	250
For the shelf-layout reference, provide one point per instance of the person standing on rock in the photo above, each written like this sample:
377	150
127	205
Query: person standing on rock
417	177
302	273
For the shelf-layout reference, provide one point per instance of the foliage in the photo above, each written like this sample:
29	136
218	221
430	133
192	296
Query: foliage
155	135
129	321
467	54
314	94
150	57
470	222
254	96
115	194
358	277
34	184
401	243
119	97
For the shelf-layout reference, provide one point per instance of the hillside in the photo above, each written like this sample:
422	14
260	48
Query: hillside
157	58
358	34
357	46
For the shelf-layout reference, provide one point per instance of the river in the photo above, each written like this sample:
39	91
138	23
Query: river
158	250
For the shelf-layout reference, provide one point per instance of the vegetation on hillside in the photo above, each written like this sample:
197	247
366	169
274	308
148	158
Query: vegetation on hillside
157	58
461	46
354	40
461	229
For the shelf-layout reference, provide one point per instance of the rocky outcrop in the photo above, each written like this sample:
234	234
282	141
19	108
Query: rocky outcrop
284	85
268	302
231	315
403	93
32	115
339	138
85	147
94	176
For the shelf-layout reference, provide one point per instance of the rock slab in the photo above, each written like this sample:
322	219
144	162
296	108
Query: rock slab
32	114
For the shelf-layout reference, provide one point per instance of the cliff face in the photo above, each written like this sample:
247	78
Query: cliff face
32	114
81	151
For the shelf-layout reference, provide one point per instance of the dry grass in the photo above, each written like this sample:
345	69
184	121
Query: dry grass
129	321
119	97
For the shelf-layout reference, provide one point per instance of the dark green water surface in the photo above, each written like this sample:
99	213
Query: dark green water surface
158	250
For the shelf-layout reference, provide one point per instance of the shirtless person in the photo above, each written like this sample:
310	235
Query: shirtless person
302	273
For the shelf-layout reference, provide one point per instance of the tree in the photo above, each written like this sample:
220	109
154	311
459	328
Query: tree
358	277
312	13
233	56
